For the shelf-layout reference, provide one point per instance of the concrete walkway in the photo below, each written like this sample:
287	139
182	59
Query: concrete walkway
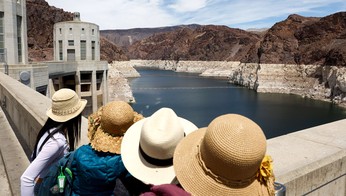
13	160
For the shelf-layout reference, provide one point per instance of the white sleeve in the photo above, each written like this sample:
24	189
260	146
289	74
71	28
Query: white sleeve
43	160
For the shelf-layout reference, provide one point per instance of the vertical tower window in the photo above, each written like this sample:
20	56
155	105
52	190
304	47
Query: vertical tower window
60	31
92	50
92	31
2	41
60	50
83	31
70	31
82	50
19	37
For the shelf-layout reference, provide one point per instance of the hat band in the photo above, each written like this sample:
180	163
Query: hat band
69	111
220	179
154	161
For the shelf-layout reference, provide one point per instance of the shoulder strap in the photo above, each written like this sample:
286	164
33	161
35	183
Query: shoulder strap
66	167
50	134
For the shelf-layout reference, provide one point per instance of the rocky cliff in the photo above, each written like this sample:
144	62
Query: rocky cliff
126	37
205	43
41	18
40	23
304	40
118	84
296	40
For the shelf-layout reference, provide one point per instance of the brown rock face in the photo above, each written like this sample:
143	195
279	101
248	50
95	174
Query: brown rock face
126	37
110	52
324	41
41	18
204	43
296	40
303	40
40	23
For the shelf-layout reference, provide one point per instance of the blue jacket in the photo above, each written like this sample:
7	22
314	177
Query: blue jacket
94	172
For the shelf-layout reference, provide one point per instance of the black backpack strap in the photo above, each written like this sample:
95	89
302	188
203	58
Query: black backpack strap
50	134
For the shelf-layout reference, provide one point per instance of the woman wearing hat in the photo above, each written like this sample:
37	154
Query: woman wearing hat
59	135
148	147
97	166
226	158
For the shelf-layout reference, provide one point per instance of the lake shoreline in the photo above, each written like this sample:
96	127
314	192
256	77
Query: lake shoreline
310	81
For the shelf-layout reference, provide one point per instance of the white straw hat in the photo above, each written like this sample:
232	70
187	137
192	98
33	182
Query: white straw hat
65	105
148	146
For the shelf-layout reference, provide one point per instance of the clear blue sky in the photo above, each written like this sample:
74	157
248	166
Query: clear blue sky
244	14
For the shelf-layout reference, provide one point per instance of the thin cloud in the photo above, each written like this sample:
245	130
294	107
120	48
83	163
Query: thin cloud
126	14
182	6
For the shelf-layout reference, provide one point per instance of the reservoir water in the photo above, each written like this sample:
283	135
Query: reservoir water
200	100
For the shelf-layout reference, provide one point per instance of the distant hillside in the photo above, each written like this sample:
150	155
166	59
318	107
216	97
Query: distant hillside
204	43
296	40
40	20
305	40
126	37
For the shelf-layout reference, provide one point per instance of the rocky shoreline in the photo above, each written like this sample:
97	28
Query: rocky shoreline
326	83
118	84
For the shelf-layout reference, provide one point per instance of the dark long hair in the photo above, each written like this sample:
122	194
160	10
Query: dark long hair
73	127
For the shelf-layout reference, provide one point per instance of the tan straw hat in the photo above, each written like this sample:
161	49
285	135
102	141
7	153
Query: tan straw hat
65	105
225	158
148	146
108	125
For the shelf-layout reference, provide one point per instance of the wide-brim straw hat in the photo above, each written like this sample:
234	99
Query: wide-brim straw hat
108	125
223	158
65	105
148	146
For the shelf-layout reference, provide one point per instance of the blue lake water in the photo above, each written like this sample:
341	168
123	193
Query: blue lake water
200	100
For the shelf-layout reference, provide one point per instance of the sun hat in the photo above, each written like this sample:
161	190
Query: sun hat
148	146
65	105
107	126
226	158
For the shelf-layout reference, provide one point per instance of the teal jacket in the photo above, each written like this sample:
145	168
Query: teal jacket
94	172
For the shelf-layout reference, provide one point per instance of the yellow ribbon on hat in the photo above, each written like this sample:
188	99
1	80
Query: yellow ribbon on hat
265	174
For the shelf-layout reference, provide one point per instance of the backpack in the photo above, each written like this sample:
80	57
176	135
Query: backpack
58	174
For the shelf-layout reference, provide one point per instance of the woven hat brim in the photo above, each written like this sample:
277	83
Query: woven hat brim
67	117
192	176
105	142
137	165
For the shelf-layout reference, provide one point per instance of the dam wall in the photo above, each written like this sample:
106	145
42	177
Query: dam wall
22	114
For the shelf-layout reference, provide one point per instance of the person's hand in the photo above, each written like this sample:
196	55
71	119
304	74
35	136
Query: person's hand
166	190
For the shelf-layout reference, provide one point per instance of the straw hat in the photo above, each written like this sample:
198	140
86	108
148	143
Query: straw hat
225	158
148	146
108	125
65	105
